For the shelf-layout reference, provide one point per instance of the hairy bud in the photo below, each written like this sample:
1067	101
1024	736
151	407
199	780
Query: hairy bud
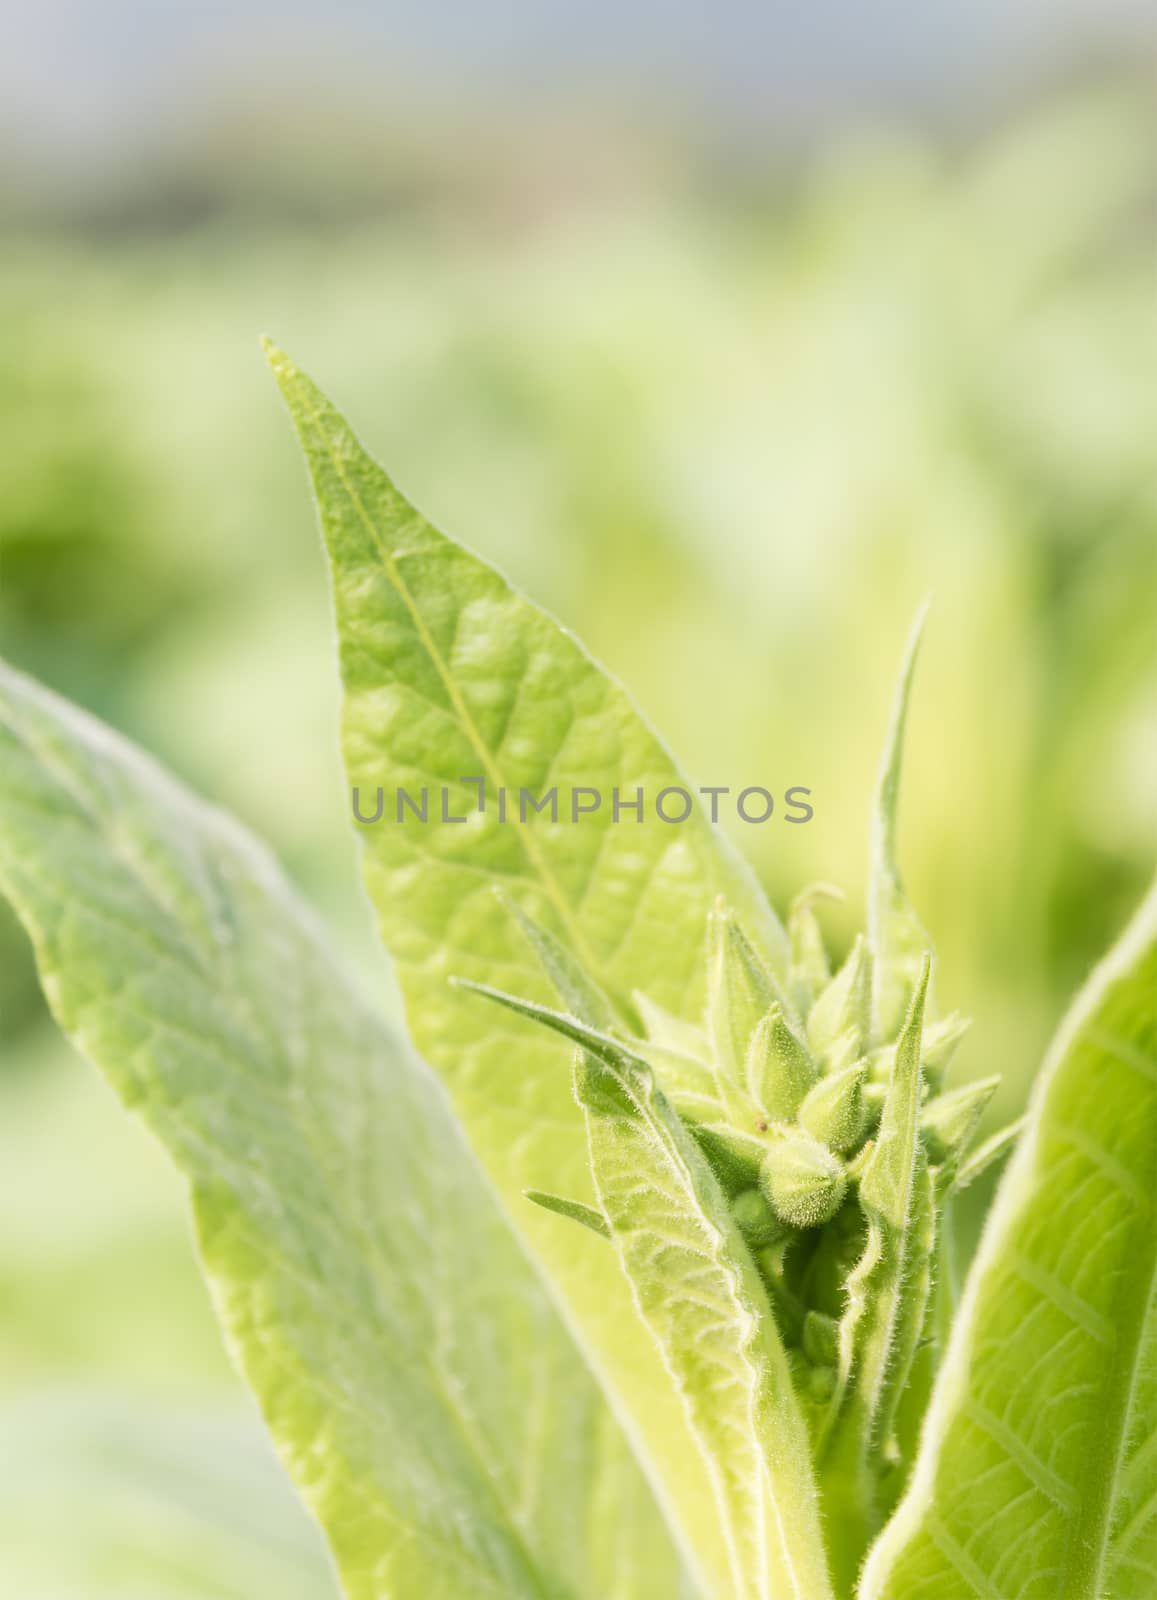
803	1180
835	1111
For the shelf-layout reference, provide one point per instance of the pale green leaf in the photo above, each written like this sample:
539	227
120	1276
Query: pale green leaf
698	1291
882	1321
948	1122
839	1023
992	1150
697	1288
875	1288
1037	1472
570	981
740	993
415	1377
450	675
810	967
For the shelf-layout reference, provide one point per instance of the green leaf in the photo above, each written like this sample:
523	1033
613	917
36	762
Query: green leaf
899	942
948	1123
810	968
739	995
839	1023
564	972
1037	1472
415	1376
449	674
886	1296
993	1149
875	1288
697	1288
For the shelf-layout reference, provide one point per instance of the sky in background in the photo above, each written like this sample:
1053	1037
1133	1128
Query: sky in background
81	83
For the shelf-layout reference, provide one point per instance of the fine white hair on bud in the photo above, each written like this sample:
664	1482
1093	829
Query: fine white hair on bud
803	1180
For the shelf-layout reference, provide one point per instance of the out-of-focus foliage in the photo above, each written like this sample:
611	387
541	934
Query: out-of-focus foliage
730	431
107	1499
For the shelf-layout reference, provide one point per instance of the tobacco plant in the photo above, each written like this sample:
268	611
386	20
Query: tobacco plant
651	1296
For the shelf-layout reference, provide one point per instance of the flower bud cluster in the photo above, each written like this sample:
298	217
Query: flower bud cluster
783	1087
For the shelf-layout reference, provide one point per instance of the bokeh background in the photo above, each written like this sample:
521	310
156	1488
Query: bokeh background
729	332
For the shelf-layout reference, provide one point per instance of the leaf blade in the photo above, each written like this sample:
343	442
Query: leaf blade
1063	1288
697	1288
447	671
439	1426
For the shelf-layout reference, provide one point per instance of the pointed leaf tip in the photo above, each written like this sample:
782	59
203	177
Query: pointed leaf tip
888	782
279	363
897	935
612	1052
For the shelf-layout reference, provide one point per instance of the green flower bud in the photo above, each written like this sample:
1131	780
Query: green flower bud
948	1122
779	1067
835	1112
735	1157
756	1221
803	1180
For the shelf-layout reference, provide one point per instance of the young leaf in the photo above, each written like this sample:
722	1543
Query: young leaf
739	994
899	942
875	1332
587	1216
570	1028
948	1122
839	1024
415	1376
994	1149
453	680
1036	1468
912	1315
697	1289
875	1289
810	968
672	1033
570	981
940	1043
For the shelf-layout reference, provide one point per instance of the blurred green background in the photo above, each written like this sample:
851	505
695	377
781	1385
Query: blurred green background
729	383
